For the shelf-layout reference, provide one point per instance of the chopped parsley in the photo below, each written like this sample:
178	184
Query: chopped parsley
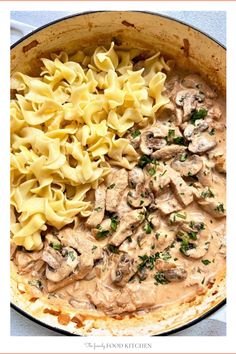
152	171
94	247
37	283
171	133
197	226
135	134
111	186
160	278
212	131
114	222
148	261
162	174
198	114
102	234
179	140
206	261
181	216
192	235
98	209
71	254
207	193
55	232
220	208
144	160
148	227
113	249
55	246
183	157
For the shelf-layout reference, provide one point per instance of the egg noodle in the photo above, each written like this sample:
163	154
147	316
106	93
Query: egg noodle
67	129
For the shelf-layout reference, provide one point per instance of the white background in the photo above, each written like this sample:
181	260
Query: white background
76	344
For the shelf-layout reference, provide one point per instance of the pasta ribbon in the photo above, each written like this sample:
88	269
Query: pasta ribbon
69	126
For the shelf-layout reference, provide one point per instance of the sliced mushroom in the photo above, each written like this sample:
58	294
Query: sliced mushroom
169	151
140	197
196	248
175	274
195	81
187	165
61	265
191	130
130	222
189	99
124	270
201	144
136	176
150	142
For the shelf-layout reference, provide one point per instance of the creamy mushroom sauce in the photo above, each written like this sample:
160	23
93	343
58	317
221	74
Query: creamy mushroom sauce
156	233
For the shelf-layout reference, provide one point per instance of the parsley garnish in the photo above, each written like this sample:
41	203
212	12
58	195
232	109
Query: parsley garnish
160	278
183	157
220	208
55	246
207	193
37	283
148	227
212	131
135	134
114	222
206	261
112	248
71	254
102	234
179	140
98	209
152	171
198	114
144	160
111	186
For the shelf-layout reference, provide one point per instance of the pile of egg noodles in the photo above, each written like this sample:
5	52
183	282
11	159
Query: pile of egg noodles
67	128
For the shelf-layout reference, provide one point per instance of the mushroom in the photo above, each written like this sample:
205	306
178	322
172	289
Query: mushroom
189	99
124	270
60	265
192	129
169	151
175	274
195	81
140	197
197	244
201	144
187	165
135	176
150	142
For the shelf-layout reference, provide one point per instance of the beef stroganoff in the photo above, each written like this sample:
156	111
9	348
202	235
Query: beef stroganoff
118	182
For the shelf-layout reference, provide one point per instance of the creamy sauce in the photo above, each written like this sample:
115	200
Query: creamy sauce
103	288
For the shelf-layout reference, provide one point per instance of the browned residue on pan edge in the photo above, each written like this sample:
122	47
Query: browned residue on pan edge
29	46
127	24
185	47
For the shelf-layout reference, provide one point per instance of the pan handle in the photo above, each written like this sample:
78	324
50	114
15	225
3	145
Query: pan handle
19	29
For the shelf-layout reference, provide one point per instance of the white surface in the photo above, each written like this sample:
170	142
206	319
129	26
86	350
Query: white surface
212	23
